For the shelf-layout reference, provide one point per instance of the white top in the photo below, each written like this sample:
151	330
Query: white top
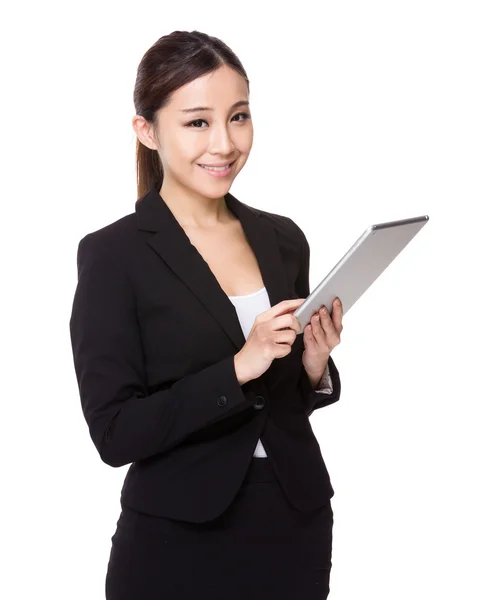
247	308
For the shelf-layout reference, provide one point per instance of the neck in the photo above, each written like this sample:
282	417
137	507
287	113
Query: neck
194	210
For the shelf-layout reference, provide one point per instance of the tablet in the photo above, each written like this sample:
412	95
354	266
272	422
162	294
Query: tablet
371	254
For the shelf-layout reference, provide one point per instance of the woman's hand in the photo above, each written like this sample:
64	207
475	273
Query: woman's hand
271	336
321	336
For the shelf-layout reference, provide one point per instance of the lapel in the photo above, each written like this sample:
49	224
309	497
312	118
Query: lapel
173	245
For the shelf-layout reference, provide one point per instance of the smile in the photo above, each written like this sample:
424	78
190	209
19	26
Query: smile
218	171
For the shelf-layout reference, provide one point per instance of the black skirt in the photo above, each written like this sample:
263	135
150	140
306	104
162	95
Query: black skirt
260	547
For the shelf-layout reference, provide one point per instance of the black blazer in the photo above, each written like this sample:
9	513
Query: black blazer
154	337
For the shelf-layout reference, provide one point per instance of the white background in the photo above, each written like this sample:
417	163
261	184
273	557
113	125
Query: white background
363	112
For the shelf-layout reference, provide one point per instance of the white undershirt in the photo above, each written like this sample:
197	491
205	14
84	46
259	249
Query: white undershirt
248	307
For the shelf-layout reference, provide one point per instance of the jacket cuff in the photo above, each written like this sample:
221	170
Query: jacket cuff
315	398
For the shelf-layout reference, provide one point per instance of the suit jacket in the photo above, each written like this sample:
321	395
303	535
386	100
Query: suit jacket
154	337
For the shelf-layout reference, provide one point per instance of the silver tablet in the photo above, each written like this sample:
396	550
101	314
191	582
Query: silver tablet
371	254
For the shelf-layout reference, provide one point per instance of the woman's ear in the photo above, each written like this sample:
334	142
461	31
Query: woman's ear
144	132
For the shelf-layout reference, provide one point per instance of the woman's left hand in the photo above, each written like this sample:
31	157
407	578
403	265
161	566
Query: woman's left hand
321	336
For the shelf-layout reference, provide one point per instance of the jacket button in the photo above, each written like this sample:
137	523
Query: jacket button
222	400
259	402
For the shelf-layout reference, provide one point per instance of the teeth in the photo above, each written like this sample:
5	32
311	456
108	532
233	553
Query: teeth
216	168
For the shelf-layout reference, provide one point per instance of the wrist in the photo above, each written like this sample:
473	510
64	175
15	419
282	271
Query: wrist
315	376
314	381
241	376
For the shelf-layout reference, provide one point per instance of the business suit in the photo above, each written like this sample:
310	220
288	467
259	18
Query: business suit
154	337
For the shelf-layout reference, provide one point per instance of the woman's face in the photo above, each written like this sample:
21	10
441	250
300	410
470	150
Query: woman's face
188	138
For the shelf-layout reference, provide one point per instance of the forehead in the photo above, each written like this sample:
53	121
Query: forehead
219	90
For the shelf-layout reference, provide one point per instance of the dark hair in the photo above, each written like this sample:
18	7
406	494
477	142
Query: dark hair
172	61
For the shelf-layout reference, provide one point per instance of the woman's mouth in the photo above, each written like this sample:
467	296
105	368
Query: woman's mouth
218	171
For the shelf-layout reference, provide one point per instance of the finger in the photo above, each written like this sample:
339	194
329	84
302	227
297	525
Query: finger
308	335
326	321
287	321
310	341
332	336
337	314
284	307
317	330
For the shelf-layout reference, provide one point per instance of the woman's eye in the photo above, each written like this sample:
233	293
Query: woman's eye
191	123
195	121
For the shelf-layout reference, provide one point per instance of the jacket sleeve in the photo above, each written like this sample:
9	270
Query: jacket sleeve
313	399
126	423
325	385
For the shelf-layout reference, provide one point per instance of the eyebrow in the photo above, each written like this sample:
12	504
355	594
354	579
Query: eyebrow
202	108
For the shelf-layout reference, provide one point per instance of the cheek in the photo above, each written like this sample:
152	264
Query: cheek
243	141
182	152
242	159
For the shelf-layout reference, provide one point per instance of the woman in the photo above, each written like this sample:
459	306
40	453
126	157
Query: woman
187	356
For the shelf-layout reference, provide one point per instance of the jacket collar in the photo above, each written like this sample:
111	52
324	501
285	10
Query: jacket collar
170	241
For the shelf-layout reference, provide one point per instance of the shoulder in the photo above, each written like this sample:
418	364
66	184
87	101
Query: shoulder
107	249
111	237
284	226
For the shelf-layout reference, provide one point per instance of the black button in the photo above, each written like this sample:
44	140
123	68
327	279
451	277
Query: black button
259	402
222	400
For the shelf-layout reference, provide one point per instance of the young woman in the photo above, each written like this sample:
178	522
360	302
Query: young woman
187	356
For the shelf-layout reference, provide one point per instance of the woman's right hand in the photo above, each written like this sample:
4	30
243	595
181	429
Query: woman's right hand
272	335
